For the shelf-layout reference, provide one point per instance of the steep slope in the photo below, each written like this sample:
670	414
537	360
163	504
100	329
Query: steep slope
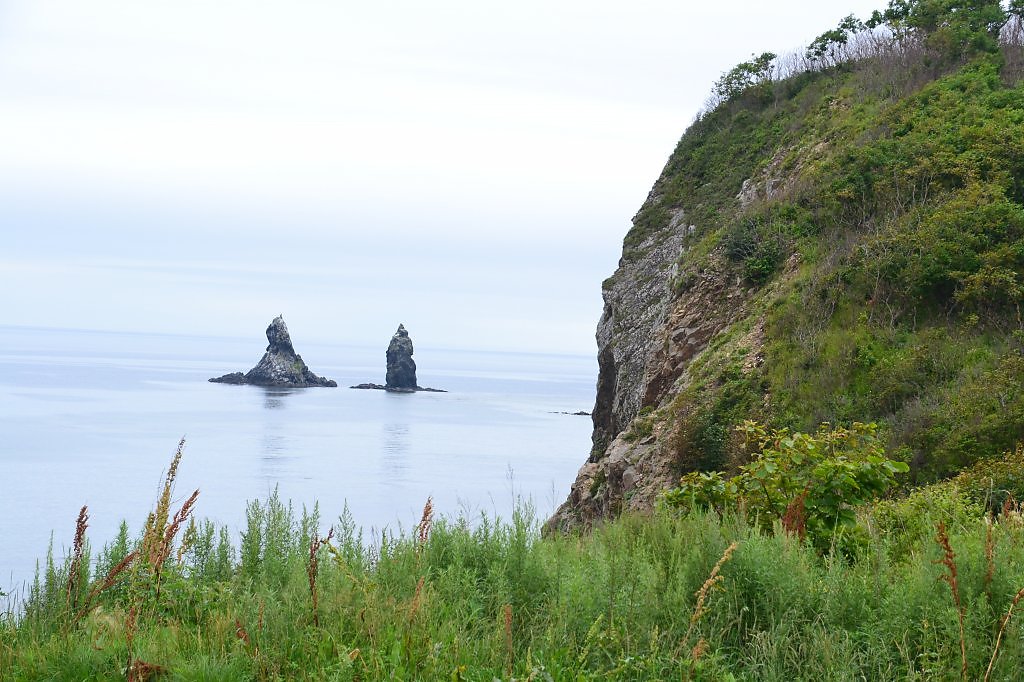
843	245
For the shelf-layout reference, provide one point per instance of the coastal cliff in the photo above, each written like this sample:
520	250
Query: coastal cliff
842	245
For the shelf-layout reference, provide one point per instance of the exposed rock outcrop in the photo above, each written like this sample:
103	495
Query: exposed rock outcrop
637	462
279	366
401	370
635	300
400	376
657	320
664	306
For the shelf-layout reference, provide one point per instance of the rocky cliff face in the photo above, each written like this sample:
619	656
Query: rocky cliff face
637	452
648	334
636	301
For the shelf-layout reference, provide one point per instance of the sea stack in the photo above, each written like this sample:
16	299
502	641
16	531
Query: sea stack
401	372
401	368
280	365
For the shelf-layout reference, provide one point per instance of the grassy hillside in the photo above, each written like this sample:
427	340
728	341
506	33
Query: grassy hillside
882	244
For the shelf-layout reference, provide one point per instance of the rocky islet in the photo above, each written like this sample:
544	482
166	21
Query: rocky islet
279	366
400	375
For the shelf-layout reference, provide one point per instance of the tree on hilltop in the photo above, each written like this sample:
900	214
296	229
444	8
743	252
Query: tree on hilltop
828	48
954	28
743	76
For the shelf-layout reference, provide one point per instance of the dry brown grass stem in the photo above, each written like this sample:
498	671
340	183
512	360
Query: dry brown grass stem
74	571
950	577
794	520
414	607
507	613
1002	628
129	630
714	579
990	557
312	570
1011	512
99	588
426	521
241	633
157	522
116	571
158	541
141	671
182	515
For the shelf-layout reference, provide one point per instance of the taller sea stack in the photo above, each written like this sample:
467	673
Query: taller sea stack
280	365
401	371
401	368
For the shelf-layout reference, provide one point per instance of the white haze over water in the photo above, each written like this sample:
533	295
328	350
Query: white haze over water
467	168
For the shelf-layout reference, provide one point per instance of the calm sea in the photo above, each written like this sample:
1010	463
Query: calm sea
93	418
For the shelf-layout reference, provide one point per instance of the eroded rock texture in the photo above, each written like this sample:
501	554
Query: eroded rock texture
401	368
400	376
279	366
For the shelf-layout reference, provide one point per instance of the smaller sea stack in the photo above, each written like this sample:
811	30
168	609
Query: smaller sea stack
401	368
279	366
401	372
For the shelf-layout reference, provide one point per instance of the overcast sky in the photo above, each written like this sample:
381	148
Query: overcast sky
467	168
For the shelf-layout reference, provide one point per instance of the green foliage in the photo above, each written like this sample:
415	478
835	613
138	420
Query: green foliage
908	296
827	49
961	248
909	522
898	180
981	418
704	417
642	426
821	478
758	249
492	600
743	76
994	482
954	28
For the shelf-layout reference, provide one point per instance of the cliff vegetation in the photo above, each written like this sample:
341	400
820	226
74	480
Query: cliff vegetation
837	238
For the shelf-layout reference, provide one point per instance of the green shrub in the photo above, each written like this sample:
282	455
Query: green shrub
995	481
811	483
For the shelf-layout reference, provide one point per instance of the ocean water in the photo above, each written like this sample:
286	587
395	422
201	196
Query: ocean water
93	418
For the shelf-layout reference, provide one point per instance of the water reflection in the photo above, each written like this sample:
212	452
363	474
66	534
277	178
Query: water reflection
274	460
395	455
274	397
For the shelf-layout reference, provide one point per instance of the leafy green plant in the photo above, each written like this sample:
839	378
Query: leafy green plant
811	483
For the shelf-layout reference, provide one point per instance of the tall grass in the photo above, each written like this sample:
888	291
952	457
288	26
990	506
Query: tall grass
640	598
